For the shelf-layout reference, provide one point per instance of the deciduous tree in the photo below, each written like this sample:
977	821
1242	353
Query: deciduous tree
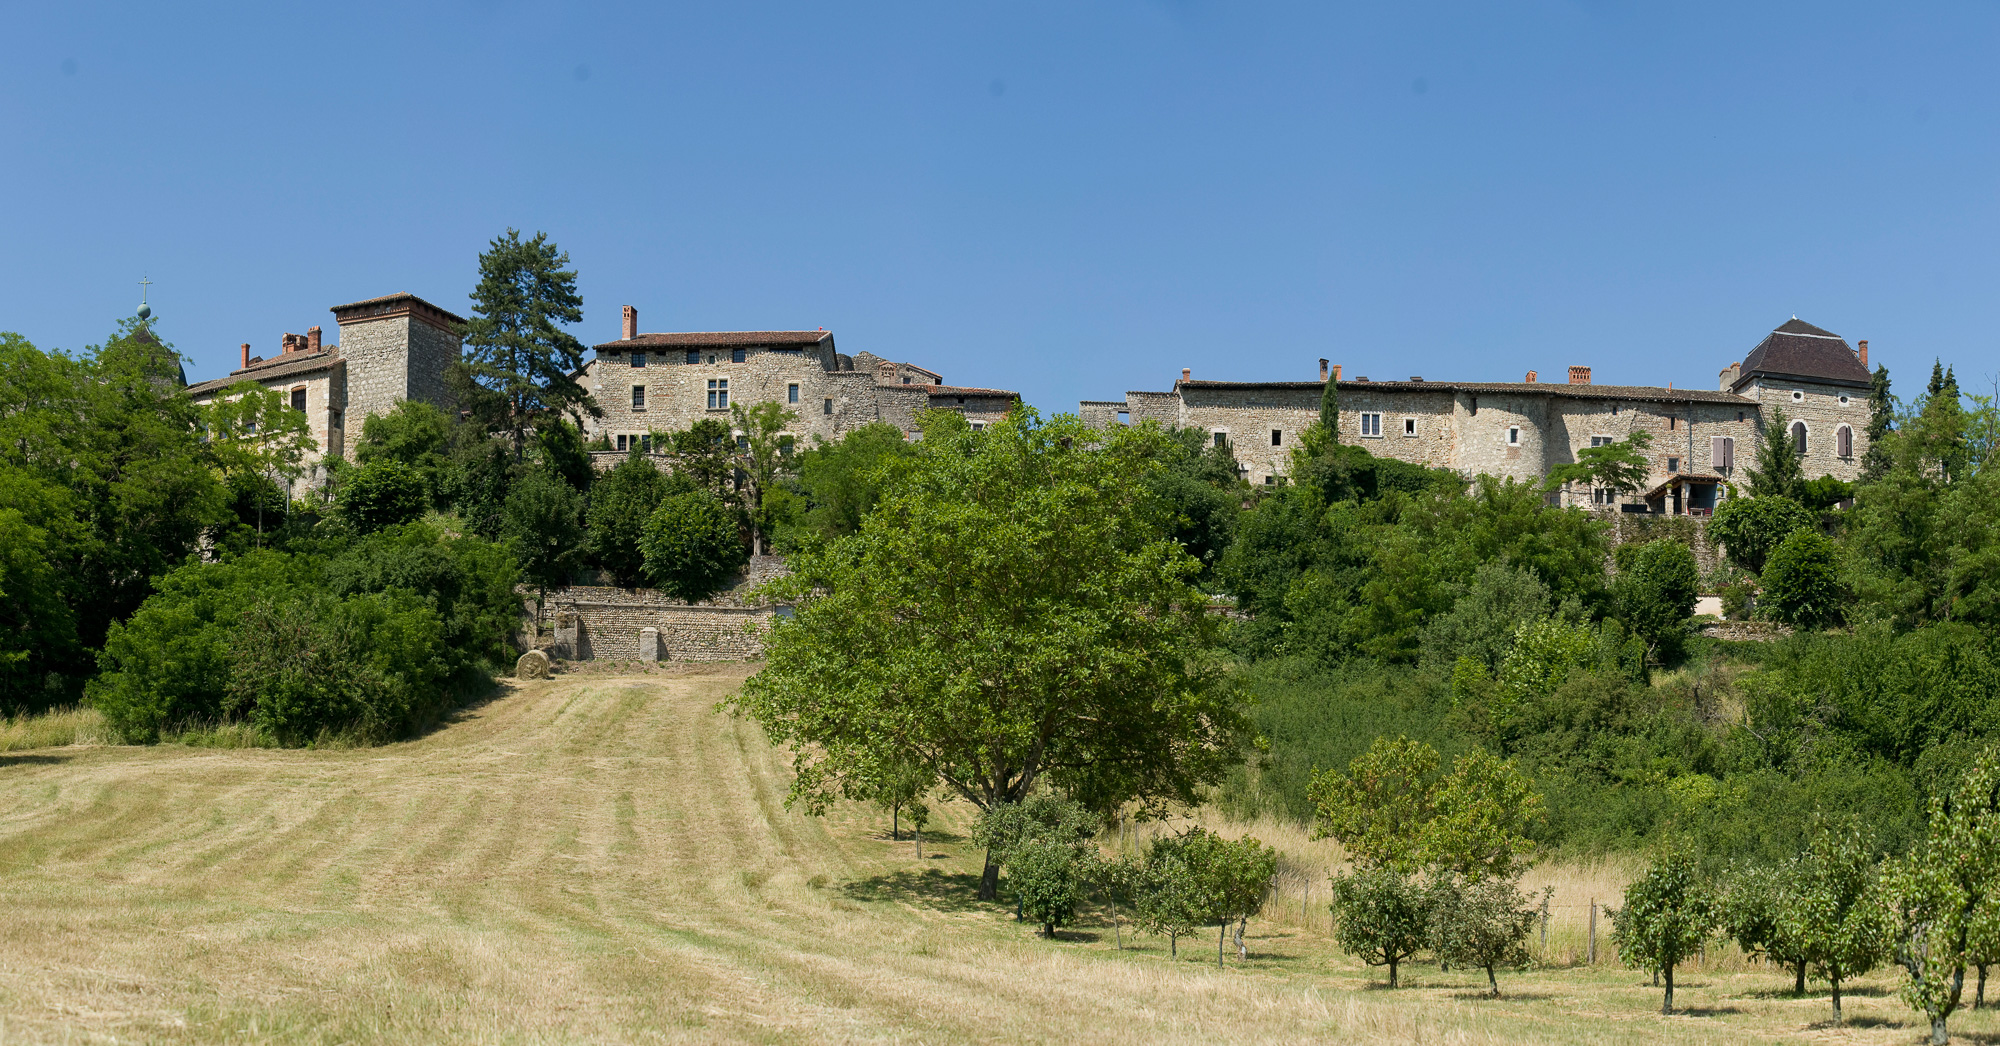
693	547
1381	916
1668	914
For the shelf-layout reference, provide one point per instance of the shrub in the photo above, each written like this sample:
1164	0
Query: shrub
1750	528
543	521
1482	923
1049	878
382	493
620	504
1801	582
693	546
1656	594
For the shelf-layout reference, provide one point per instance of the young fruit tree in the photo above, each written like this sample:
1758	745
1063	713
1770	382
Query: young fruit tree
1667	916
1380	916
1832	910
1050	879
1934	894
1166	893
1753	912
1197	878
1042	824
1012	613
1481	923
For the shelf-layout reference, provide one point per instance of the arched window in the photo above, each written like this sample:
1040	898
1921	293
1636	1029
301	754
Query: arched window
1843	441
1799	437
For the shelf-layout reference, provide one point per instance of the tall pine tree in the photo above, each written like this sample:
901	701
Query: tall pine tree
515	348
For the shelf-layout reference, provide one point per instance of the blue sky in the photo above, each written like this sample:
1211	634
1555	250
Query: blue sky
1067	199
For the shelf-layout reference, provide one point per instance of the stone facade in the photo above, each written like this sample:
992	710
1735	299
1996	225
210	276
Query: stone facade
391	349
599	622
655	383
1702	440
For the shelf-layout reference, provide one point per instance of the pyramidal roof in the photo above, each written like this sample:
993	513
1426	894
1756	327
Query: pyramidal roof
1797	349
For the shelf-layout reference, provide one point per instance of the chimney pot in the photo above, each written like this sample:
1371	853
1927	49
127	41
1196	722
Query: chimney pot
246	357
1336	372
1187	373
631	323
312	339
1531	377
1324	362
1579	375
1864	353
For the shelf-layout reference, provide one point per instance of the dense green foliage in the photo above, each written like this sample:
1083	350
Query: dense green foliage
1667	915
691	545
515	346
620	503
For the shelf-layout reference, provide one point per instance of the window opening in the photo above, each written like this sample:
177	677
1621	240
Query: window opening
1674	465
1600	441
299	398
1798	437
621	442
1409	426
1513	436
1277	437
1221	438
738	355
693	356
826	407
638	359
638	397
1371	425
791	394
1798	396
718	394
1843	441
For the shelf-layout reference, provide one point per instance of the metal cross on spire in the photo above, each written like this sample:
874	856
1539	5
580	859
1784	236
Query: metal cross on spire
145	285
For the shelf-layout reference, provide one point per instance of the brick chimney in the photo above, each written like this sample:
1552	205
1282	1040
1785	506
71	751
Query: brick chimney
1863	343
312	339
1531	377
1336	372
631	323
1579	375
1323	362
1730	374
1187	374
246	357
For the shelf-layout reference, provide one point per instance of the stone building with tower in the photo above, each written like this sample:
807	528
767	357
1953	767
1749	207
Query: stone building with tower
648	383
1702	439
393	348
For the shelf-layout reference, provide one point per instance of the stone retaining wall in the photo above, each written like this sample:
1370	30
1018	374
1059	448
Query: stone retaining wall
605	623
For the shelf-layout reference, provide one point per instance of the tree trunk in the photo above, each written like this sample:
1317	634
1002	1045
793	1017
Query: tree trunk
1049	930
1836	999
917	830
1242	952
1221	939
989	879
1939	1036
1491	983
1392	973
1668	1006
1979	996
895	822
1174	945
1799	988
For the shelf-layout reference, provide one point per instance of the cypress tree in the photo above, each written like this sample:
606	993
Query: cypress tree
1329	411
1881	416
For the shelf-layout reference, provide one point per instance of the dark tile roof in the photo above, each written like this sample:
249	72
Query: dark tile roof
965	390
731	339
1549	388
288	365
387	302
1797	349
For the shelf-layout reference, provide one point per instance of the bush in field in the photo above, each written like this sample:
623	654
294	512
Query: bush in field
1482	923
1379	916
1667	916
1050	879
312	667
693	547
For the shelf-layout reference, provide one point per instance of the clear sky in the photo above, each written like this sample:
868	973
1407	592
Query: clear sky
1066	199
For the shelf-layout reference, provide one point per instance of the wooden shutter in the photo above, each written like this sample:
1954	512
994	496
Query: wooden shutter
1845	442
1722	451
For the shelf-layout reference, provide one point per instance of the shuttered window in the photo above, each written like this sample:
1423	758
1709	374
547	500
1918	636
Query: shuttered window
1722	451
1843	441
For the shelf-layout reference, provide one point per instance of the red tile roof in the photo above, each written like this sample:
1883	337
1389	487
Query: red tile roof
692	339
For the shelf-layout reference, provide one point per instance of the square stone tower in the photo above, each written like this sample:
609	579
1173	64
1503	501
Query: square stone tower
397	347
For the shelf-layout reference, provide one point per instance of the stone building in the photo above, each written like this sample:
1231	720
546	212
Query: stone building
648	383
1701	439
391	349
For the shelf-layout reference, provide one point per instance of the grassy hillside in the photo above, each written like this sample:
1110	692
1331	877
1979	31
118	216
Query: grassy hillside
602	858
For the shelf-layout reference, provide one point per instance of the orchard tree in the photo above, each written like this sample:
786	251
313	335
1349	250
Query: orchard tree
1393	809
1668	914
1051	880
1935	893
1013	613
1380	916
1753	911
1482	923
1832	910
515	346
693	548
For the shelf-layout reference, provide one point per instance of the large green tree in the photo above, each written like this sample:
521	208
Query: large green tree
692	546
1013	613
515	345
620	504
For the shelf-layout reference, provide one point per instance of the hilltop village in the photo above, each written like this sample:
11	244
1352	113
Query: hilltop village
398	347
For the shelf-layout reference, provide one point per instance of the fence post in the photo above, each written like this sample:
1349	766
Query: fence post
1545	926
1593	931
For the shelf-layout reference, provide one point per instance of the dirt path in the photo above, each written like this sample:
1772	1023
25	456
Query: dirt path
587	859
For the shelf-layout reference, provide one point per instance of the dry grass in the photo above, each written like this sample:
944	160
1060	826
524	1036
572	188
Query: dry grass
604	859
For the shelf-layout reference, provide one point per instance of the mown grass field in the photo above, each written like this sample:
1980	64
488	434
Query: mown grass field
603	858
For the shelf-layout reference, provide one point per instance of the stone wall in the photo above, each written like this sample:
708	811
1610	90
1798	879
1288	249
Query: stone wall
600	622
1824	409
1261	427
